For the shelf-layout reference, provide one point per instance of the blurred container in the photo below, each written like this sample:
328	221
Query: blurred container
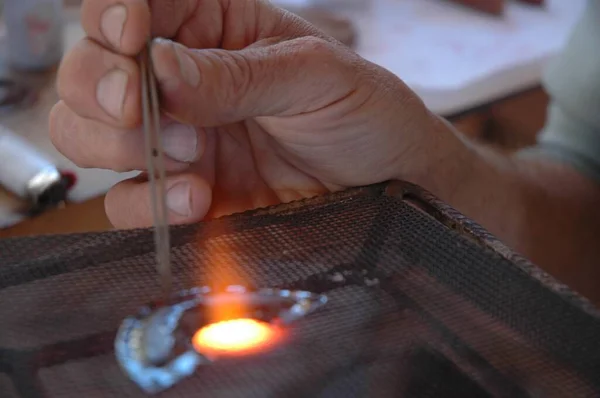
34	33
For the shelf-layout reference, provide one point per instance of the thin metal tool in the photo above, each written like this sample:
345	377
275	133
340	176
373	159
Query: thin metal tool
156	170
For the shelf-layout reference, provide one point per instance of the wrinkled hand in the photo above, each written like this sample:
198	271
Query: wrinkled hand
259	108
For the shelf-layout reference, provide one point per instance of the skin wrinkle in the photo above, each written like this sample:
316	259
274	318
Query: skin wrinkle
283	28
280	193
232	38
158	9
161	8
389	164
290	157
250	31
236	62
263	195
215	60
231	146
241	77
352	93
186	26
187	35
268	194
257	29
64	130
252	125
206	166
65	90
253	149
310	49
225	7
316	114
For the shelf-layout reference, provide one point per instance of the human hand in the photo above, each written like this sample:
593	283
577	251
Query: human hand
259	108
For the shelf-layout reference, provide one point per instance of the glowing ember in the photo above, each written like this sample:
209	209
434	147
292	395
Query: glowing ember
235	336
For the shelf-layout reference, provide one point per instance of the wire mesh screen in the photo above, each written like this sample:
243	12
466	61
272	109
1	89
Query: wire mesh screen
422	303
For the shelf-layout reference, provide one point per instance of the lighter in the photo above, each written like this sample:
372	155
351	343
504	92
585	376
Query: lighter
29	175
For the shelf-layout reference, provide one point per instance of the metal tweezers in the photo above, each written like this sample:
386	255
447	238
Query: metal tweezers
156	170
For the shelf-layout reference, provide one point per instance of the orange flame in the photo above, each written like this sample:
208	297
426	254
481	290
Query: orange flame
238	336
222	270
229	331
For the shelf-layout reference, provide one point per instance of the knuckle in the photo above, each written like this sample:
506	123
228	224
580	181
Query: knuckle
313	46
70	70
329	59
76	139
125	207
54	123
326	56
112	206
79	161
118	162
63	131
115	153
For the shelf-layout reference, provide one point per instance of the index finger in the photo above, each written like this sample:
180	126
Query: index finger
121	25
124	26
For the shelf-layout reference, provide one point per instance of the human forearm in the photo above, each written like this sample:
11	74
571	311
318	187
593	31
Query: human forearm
543	210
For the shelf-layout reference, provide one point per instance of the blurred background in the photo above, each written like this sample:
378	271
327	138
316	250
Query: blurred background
476	62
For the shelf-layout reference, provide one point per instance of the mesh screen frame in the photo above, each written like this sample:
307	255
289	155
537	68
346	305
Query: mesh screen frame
407	277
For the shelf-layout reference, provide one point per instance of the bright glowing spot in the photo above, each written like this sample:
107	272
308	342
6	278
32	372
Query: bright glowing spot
235	336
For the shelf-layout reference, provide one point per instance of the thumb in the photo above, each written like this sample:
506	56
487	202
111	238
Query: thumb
212	87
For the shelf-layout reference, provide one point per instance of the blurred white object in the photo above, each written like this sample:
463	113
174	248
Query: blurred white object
25	171
34	32
341	5
456	58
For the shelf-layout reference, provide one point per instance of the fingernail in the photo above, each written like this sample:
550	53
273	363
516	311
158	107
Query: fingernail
179	199
112	24
187	66
111	90
180	142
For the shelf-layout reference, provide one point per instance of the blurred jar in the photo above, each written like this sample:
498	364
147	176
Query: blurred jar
34	33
